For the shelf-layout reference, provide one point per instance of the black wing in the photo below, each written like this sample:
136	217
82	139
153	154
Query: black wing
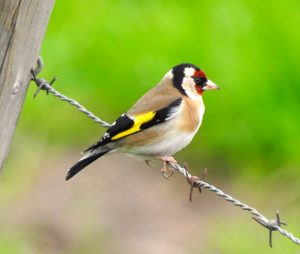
126	125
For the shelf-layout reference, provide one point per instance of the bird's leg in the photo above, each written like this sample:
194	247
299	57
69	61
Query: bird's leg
166	171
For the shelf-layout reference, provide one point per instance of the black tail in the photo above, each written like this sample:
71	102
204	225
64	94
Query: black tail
81	164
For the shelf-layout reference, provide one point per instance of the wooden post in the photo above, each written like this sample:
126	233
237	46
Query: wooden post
22	27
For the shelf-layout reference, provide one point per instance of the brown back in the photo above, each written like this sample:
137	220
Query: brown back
158	97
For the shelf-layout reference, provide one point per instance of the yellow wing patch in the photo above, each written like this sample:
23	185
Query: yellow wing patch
138	121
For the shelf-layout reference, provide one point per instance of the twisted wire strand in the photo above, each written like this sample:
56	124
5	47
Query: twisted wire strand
288	235
45	85
74	103
212	188
264	221
271	225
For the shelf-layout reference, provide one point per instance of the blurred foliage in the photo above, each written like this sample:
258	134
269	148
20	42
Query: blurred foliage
109	53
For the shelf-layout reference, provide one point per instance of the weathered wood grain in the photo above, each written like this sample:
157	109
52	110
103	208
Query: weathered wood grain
22	27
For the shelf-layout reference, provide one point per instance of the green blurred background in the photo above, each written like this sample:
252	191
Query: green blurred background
106	55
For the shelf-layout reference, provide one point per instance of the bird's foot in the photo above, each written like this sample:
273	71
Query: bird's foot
166	171
166	159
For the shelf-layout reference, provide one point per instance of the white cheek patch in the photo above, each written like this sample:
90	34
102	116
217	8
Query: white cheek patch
188	85
189	71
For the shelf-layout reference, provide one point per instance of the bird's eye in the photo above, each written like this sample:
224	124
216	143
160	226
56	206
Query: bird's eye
197	80
200	81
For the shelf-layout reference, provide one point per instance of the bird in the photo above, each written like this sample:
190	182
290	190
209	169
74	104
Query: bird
161	123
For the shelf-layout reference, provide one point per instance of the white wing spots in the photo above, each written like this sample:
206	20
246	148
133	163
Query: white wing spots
174	112
116	121
130	117
88	154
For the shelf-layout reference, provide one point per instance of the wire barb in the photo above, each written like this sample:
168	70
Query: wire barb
235	202
192	181
39	66
271	225
44	85
41	83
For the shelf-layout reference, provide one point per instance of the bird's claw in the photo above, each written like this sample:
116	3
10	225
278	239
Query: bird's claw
166	172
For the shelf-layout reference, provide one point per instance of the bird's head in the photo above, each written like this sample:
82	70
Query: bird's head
190	80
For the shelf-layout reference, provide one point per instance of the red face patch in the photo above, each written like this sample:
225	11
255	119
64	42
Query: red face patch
199	74
199	90
200	79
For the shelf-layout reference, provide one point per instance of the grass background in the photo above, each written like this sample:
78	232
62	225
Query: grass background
106	55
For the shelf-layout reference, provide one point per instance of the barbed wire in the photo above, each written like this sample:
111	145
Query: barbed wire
270	224
44	85
194	181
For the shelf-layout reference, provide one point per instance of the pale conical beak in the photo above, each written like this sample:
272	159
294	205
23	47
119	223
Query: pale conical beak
209	85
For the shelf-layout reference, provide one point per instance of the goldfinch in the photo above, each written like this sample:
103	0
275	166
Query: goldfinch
160	123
